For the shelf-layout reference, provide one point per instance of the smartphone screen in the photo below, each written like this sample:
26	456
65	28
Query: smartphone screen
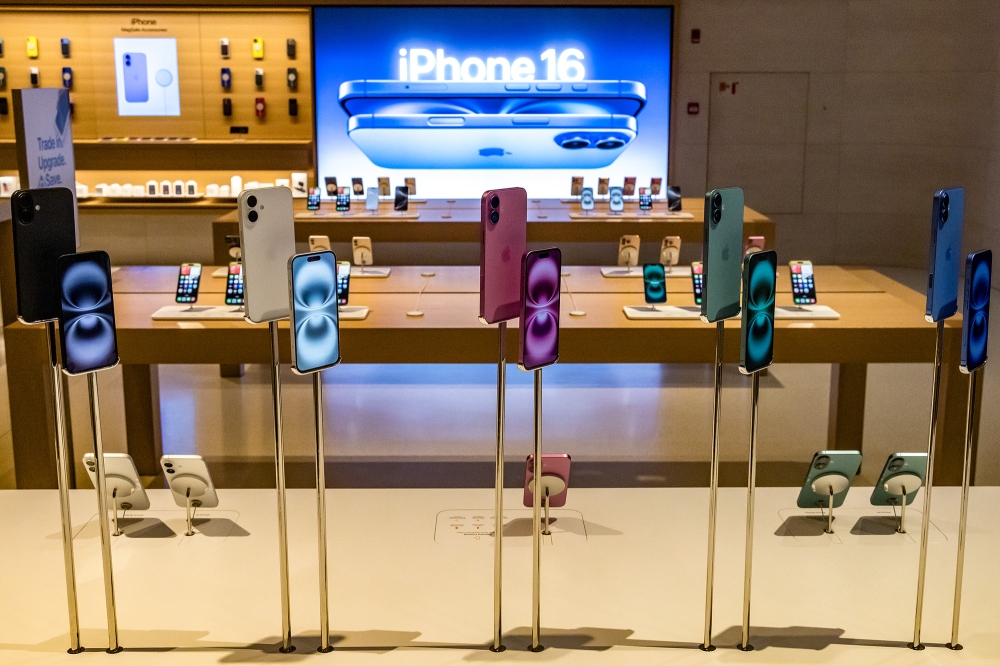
976	314
402	198
539	329
343	199
343	282
587	198
803	285
358	185
645	199
87	313
188	281
697	281
757	330
312	202
673	197
234	284
654	281
315	319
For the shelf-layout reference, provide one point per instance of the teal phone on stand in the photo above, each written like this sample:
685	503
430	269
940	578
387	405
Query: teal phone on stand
895	465
824	463
723	249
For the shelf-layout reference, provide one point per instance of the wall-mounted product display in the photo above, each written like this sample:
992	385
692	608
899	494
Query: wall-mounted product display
415	89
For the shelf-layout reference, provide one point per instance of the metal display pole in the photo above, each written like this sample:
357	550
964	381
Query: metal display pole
498	494
928	485
751	491
536	536
324	589
279	463
102	513
713	488
62	477
963	519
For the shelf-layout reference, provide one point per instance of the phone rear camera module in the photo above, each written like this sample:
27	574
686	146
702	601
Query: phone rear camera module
495	217
896	464
252	216
717	215
575	143
495	201
822	462
252	201
25	207
610	143
945	206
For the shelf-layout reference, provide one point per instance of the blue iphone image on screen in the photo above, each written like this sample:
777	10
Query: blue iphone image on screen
757	330
315	319
654	280
946	246
976	313
87	313
136	79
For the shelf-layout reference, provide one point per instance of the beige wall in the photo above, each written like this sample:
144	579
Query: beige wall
902	100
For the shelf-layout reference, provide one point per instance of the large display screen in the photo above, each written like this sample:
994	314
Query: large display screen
469	99
146	76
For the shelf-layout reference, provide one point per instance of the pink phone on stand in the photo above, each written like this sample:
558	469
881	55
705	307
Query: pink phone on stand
555	482
503	241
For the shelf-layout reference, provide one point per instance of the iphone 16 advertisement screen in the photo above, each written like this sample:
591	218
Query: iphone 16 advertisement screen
315	319
471	98
87	313
539	332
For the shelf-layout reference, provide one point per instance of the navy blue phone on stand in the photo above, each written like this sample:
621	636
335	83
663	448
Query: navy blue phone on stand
976	313
757	331
87	332
946	245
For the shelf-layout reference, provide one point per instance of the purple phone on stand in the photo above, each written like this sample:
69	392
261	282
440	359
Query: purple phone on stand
553	464
539	332
503	241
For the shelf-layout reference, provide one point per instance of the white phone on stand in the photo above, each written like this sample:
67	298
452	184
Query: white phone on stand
267	240
190	484
124	487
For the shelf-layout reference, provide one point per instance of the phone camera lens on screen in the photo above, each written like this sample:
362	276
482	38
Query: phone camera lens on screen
495	217
610	144
822	462
576	143
495	201
252	201
896	465
252	216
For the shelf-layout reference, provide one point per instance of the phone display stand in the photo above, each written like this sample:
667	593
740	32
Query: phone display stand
928	486
621	272
751	492
677	271
369	271
221	272
62	478
536	521
552	485
208	313
713	487
900	486
353	312
575	312
662	311
830	485
279	464
102	512
324	594
192	487
805	312
196	308
970	426
118	486
416	311
498	645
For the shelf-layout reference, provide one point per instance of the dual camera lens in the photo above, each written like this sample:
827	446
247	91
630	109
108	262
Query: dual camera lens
25	207
495	203
945	202
252	202
716	208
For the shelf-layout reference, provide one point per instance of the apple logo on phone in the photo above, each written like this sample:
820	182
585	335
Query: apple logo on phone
948	254
505	255
725	253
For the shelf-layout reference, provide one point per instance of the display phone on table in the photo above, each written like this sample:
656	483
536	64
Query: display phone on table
654	280
371	199
616	200
187	473
655	185
312	201
587	198
674	198
402	202
760	276
895	465
343	199
538	333
359	186
188	282
87	331
645	199
976	313
319	243
44	230
411	186
840	463
697	281
383	187
553	465
803	283
576	186
234	284
267	236
343	282
503	240
122	480
722	247
315	320
628	186
946	245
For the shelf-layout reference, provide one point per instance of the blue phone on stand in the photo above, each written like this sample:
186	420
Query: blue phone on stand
946	245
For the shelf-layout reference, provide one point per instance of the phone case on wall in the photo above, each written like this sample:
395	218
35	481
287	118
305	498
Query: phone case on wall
946	246
757	326
723	250
87	331
502	244
315	318
538	334
40	238
267	239
842	463
976	312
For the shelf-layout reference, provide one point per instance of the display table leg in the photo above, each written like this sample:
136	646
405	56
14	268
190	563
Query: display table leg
846	425
141	388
